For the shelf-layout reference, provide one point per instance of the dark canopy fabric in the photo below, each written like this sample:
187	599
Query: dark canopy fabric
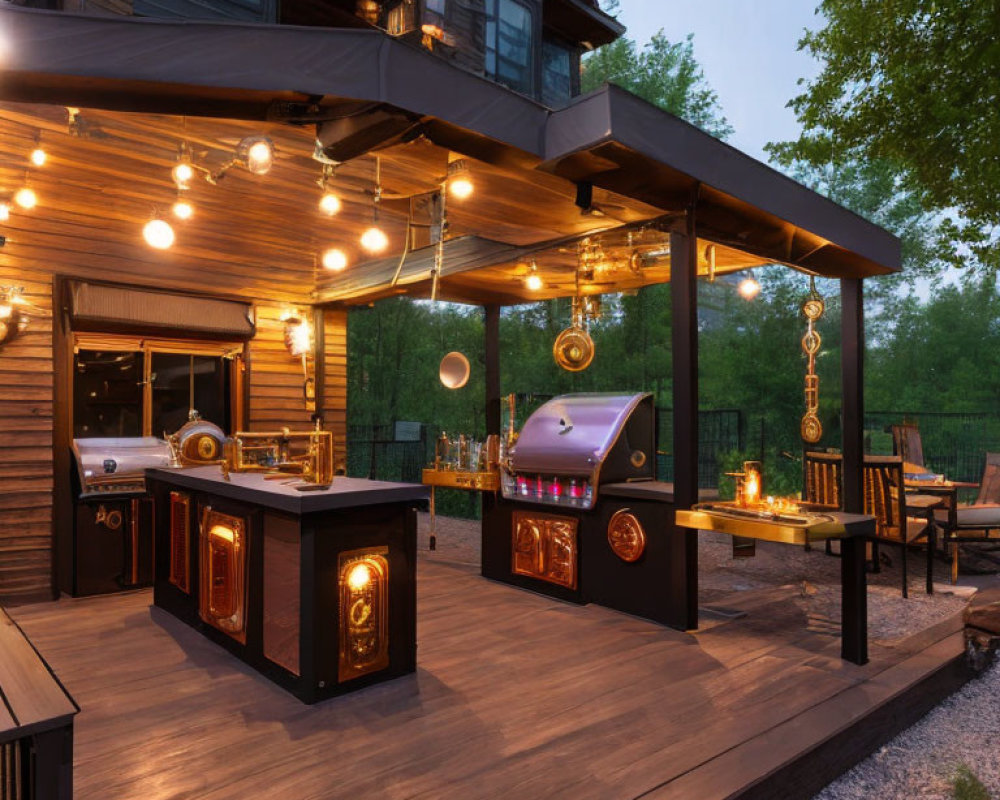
609	138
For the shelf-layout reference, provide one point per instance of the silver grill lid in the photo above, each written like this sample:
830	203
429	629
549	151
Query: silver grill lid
573	433
104	457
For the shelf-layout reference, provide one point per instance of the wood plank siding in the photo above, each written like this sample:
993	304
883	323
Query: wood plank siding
252	239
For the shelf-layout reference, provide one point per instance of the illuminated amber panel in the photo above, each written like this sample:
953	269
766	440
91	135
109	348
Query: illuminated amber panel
222	601
364	612
180	552
543	546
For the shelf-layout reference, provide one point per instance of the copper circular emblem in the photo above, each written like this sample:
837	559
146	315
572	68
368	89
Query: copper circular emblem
208	448
626	536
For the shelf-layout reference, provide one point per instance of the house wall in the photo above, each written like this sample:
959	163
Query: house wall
249	240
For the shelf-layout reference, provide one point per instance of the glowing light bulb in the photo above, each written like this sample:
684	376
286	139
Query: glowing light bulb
329	204
182	174
260	156
334	260
749	288
359	577
158	234
183	210
374	240
461	188
4	212
38	157
26	198
533	282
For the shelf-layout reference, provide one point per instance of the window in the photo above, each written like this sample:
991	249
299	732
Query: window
125	386
557	73
509	52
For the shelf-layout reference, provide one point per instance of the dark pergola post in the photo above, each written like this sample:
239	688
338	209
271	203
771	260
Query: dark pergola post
854	596
492	355
683	584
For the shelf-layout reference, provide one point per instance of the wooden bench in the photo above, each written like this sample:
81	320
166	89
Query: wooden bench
36	723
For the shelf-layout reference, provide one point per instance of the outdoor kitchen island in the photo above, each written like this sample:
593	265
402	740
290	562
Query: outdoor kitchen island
314	587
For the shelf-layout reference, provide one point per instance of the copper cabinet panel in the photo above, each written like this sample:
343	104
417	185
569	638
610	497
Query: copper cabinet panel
544	546
222	600
180	544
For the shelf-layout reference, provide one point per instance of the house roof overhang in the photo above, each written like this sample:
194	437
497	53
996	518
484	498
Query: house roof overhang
609	138
581	21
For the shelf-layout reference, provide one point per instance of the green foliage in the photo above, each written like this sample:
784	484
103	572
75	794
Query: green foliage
967	786
663	72
912	84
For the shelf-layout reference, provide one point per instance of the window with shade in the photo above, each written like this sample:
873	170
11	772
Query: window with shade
509	51
557	73
124	386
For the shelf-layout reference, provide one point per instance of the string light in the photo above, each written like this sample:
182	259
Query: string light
334	260
533	283
256	153
460	180
182	174
158	234
374	240
26	198
4	212
183	210
329	204
38	157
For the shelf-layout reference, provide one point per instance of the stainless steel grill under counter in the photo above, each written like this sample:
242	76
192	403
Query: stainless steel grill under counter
581	516
112	518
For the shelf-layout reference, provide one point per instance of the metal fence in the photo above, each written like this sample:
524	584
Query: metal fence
954	444
379	452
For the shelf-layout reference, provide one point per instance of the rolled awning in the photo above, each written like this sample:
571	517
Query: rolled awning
95	306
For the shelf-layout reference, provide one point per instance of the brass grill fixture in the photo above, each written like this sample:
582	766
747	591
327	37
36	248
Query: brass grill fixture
222	603
626	536
180	550
364	612
544	547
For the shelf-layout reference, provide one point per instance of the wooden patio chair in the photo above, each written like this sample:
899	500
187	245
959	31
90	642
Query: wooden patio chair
822	484
907	445
900	518
978	522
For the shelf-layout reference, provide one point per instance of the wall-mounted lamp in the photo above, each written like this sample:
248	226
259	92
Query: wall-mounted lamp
13	320
299	343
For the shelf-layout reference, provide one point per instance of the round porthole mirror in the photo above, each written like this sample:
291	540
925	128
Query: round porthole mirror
454	371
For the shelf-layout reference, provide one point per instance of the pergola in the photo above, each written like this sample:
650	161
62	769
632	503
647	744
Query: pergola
607	165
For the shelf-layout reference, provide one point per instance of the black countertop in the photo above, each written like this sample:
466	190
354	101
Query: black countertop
657	491
249	487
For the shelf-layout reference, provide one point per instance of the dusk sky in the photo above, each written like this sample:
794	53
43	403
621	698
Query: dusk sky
748	50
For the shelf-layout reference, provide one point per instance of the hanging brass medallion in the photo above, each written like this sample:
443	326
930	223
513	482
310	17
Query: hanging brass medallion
573	349
811	429
626	536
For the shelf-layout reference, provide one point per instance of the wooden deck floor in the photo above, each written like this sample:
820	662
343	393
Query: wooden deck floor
516	696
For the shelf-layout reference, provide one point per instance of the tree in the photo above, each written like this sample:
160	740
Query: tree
663	72
913	84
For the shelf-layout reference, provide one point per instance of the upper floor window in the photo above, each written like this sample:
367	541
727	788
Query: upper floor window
509	52
557	73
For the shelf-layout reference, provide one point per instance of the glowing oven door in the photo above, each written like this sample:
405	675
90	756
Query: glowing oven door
364	612
544	547
222	601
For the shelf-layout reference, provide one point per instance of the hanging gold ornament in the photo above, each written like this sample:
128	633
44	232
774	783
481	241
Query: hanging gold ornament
811	429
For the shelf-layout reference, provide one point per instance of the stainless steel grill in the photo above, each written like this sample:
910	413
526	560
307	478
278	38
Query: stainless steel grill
117	465
575	443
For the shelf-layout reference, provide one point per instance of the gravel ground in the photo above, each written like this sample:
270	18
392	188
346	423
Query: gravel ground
920	763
